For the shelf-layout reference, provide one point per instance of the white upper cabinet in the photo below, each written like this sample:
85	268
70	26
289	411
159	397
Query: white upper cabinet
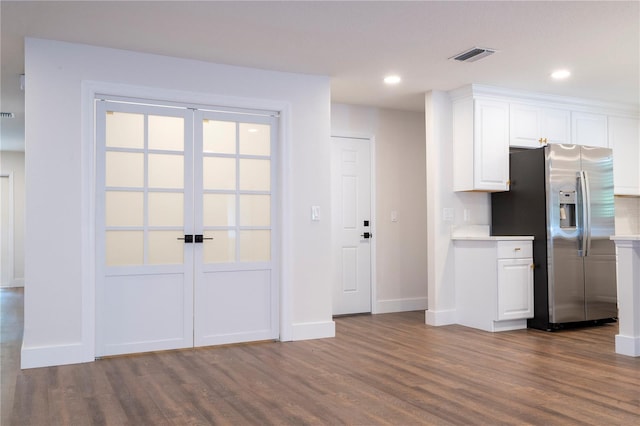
480	145
532	126
624	140
589	129
488	121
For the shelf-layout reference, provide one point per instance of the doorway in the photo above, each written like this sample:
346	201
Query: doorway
186	236
352	224
6	230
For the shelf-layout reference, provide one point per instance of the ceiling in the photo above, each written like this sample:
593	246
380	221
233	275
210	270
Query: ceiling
356	43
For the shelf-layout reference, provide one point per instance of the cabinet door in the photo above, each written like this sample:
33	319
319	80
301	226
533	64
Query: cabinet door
589	129
515	289
555	125
524	126
531	126
491	145
624	140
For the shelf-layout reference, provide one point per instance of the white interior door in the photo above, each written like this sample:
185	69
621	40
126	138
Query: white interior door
184	235
144	202
351	201
236	292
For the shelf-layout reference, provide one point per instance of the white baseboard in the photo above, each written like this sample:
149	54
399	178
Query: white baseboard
401	305
627	345
314	330
18	282
440	317
48	356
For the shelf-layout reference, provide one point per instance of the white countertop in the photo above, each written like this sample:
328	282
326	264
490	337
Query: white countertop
481	233
493	238
625	237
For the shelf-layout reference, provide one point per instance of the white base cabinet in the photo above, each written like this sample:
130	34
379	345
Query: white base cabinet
494	282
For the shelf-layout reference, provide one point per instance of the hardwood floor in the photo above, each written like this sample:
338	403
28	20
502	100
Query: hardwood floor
380	369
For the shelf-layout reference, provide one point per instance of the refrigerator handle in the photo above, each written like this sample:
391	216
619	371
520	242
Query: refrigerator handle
586	213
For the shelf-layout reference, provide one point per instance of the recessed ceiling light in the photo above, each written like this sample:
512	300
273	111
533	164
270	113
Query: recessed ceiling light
392	79
560	74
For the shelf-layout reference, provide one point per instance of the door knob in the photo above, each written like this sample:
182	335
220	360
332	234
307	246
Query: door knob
200	238
366	235
187	239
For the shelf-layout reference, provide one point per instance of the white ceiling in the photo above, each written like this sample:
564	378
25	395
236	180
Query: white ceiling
355	43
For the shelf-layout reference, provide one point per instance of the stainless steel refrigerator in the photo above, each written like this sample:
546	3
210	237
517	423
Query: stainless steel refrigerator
563	196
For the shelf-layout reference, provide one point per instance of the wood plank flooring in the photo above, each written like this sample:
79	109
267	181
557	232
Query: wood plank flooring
380	369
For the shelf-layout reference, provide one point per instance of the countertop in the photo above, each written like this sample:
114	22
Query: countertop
481	233
625	237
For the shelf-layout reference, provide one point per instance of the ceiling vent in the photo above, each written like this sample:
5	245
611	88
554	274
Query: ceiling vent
473	54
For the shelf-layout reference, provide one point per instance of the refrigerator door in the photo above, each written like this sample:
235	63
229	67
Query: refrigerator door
600	256
565	234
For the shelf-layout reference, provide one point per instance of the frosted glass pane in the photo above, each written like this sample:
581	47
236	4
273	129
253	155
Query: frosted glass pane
166	171
125	169
124	248
124	208
124	130
219	137
255	210
166	209
166	133
255	175
255	139
165	248
219	209
219	173
222	249
255	246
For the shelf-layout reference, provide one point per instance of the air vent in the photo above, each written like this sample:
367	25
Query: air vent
7	115
473	54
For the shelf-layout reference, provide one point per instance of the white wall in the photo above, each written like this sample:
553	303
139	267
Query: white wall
401	248
59	312
12	162
440	195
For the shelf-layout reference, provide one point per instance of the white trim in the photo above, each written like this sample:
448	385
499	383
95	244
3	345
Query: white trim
314	330
627	345
401	305
552	101
90	91
11	257
44	356
437	318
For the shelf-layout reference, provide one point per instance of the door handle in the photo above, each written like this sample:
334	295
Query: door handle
200	238
187	239
367	235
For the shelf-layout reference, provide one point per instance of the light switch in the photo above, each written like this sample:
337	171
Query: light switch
315	213
447	214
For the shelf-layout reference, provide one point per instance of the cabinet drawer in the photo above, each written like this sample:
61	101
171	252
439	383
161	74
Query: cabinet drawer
514	249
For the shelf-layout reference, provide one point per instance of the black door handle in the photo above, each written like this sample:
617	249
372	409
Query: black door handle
366	235
187	239
200	238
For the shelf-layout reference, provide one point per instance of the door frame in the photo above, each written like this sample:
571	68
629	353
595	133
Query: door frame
93	90
9	230
374	222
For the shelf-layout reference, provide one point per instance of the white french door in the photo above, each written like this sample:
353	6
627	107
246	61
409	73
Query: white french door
185	228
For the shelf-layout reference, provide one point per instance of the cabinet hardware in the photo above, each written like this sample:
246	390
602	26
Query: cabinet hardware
187	239
517	249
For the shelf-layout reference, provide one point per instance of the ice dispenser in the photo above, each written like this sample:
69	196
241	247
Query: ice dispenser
567	209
